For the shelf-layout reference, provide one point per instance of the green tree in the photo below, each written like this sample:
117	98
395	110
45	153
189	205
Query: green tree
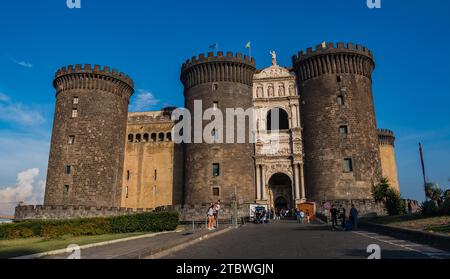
383	192
379	191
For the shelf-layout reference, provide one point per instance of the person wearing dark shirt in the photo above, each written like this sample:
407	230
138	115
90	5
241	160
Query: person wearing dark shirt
342	215
334	216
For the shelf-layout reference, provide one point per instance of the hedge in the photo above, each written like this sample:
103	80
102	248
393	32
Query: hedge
142	222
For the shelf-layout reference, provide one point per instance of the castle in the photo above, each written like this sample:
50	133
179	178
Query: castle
326	146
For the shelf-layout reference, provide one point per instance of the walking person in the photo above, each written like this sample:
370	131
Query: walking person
210	215
302	216
334	217
354	216
216	214
342	216
307	216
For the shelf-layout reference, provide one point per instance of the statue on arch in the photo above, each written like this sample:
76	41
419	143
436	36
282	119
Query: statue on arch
274	57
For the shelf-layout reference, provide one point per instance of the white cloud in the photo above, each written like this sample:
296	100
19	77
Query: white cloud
26	190
4	98
18	113
24	64
143	100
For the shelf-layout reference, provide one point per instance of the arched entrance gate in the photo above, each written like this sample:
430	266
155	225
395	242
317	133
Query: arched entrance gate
280	192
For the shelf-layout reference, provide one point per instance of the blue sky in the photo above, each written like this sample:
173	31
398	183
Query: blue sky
149	40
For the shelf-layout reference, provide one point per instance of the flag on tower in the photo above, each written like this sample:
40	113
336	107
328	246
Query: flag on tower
214	46
249	46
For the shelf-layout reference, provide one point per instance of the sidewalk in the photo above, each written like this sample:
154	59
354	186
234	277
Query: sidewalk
148	247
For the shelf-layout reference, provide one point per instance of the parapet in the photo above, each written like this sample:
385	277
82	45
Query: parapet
386	137
56	212
218	68
331	59
219	57
331	48
95	71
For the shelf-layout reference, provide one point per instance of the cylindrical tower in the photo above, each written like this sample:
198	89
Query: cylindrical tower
88	140
216	170
386	141
342	159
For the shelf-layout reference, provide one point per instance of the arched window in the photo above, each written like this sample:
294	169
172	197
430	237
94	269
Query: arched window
138	138
154	137
277	119
130	138
169	136
145	137
161	136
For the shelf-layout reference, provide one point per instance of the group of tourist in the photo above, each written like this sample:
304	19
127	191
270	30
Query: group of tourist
213	215
302	216
339	214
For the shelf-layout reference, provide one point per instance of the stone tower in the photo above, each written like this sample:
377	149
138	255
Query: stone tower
342	159
88	140
214	170
386	140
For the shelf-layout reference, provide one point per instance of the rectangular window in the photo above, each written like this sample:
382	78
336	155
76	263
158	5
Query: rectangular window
216	169
348	165
68	169
340	101
66	189
343	130
71	140
338	79
156	175
75	100
215	86
128	175
74	113
216	191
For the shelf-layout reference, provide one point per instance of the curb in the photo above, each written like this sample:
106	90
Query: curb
62	251
431	239
164	251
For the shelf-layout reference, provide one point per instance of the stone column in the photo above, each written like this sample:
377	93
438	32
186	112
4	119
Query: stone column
294	123
302	182
258	182
263	184
297	182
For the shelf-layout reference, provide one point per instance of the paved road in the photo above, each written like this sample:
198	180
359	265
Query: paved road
287	240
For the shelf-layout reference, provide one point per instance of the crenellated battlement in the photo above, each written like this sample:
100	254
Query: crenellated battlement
87	77
386	137
210	57
334	59
332	48
218	68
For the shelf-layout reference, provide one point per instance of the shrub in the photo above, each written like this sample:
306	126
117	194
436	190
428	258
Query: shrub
394	203
429	208
142	222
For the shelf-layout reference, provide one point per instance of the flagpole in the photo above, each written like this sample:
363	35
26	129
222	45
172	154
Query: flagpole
423	165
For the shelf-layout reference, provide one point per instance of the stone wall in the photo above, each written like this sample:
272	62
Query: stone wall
153	162
335	88
365	207
40	212
224	80
87	147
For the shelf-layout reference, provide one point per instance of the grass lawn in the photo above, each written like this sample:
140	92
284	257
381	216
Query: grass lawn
430	224
27	246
